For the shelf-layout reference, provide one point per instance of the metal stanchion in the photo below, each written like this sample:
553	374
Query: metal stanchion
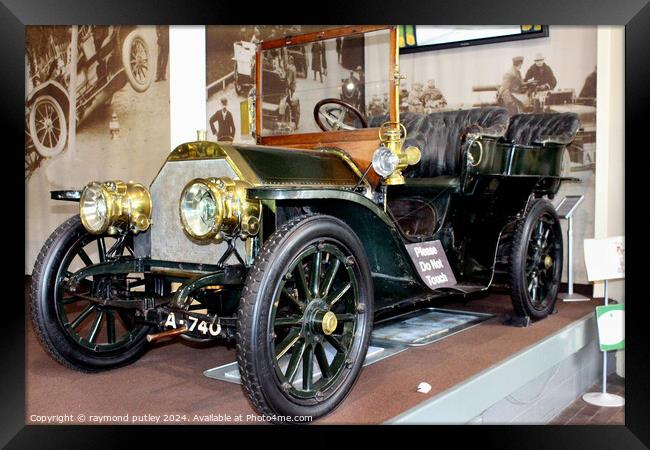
565	210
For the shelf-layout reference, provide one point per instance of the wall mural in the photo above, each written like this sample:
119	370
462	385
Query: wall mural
95	110
230	66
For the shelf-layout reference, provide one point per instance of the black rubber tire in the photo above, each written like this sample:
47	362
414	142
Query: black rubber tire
253	356
47	326
521	300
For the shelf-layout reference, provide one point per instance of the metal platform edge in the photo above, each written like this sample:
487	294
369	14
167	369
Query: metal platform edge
466	400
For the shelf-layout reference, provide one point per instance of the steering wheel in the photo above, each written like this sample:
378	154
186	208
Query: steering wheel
332	114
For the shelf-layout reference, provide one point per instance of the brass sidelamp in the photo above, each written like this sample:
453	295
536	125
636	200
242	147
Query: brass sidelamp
391	157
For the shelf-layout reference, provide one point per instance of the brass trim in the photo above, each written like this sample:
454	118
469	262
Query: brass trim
329	323
548	261
167	333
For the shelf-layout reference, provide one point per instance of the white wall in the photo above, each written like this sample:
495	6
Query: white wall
187	88
610	148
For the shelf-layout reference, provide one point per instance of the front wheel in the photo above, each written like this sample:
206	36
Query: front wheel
304	319
536	261
75	330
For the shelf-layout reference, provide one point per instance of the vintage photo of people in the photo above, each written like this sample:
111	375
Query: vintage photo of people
294	79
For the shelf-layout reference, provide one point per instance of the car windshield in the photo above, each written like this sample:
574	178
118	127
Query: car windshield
328	85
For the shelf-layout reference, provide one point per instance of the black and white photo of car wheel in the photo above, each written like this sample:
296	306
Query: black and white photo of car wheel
139	61
48	126
305	319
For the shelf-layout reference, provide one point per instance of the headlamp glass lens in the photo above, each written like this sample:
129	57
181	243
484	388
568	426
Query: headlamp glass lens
384	161
198	209
94	208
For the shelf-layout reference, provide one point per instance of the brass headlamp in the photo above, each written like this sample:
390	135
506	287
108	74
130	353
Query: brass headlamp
103	207
216	208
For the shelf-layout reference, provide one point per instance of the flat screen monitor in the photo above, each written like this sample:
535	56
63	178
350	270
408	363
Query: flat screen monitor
418	38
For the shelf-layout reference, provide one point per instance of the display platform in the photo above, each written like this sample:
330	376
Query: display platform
168	381
389	338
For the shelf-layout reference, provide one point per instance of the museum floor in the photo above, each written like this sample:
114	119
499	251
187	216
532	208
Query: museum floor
582	413
169	379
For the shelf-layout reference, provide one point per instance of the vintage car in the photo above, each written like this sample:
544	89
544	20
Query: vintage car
352	89
244	71
292	248
108	58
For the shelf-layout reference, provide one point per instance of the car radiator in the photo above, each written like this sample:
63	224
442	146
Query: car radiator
165	240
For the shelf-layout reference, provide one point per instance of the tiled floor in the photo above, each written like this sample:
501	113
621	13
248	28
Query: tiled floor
581	413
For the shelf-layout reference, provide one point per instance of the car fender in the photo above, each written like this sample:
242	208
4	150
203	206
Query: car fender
53	88
394	275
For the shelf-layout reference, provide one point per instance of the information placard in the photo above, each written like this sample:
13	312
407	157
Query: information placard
605	258
431	262
568	205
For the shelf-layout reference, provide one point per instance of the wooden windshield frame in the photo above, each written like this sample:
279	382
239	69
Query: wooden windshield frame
332	33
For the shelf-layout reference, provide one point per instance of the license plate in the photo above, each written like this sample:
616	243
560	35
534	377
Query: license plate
193	324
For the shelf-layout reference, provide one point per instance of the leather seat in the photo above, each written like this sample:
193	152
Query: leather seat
527	129
439	139
438	136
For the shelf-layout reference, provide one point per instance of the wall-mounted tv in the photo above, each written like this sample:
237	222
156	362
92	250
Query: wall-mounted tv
420	38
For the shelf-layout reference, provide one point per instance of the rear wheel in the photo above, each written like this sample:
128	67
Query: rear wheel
78	332
305	318
536	261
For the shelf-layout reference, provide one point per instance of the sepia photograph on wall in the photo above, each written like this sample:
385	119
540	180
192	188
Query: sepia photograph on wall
96	107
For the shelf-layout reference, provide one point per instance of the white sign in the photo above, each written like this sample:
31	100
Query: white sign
605	258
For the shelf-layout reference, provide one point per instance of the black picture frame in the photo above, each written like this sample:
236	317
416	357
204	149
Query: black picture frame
634	14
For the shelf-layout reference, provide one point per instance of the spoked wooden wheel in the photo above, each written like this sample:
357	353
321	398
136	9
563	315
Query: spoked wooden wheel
74	327
48	126
314	319
536	261
305	319
93	326
138	61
